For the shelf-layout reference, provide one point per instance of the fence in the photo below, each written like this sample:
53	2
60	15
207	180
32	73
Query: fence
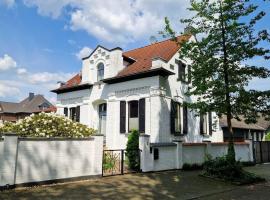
34	160
165	156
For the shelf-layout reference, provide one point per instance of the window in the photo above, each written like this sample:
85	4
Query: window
181	71
178	119
66	112
74	114
133	120
206	124
135	114
100	71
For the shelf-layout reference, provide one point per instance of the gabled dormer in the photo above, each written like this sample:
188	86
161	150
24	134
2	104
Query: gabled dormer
101	64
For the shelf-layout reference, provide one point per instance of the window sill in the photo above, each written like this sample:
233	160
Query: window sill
206	136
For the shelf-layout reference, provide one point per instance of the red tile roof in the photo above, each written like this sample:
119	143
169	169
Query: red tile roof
144	55
143	58
75	80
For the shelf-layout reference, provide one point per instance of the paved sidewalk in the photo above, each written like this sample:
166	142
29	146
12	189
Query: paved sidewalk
161	185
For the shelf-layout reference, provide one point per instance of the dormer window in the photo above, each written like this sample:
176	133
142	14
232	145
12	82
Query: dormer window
100	71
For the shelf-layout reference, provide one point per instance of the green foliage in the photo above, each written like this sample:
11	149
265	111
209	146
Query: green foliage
110	161
224	169
226	39
267	137
190	167
47	125
132	150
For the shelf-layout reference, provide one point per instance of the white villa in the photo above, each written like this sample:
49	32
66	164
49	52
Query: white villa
141	89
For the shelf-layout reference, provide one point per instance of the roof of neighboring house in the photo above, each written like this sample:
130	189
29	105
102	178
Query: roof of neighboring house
242	125
9	107
28	105
140	63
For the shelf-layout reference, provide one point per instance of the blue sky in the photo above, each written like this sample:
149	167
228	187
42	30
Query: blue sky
41	41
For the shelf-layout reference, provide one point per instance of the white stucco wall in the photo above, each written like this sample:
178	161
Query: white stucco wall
174	157
194	153
36	160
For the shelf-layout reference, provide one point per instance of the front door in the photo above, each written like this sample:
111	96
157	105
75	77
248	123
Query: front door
102	119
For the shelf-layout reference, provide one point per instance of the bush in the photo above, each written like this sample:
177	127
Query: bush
47	125
132	150
267	137
223	168
189	167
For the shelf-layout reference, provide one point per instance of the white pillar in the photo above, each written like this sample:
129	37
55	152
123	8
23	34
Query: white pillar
251	153
146	159
179	154
8	160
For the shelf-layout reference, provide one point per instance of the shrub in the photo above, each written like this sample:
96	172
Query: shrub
267	137
132	150
189	167
47	125
223	168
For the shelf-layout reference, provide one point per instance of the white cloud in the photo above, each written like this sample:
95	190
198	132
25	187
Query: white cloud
121	21
45	77
8	3
8	89
84	52
21	71
7	63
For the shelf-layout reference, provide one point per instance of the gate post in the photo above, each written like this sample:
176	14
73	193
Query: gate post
252	152
122	161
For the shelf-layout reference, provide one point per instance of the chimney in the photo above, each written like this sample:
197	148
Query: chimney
60	83
31	96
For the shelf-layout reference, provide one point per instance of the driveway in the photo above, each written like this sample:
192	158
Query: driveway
161	185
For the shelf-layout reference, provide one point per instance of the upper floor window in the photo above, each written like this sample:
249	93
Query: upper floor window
100	71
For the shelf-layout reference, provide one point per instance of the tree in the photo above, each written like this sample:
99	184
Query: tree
225	41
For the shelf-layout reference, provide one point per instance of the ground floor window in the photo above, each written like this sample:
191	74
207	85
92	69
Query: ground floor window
206	124
102	112
179	118
133	118
132	115
74	114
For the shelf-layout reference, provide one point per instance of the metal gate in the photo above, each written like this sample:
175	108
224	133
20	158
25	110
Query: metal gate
120	161
262	151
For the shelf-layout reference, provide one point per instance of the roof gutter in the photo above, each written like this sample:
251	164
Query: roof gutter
153	72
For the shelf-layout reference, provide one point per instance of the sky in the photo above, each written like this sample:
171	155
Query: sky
42	42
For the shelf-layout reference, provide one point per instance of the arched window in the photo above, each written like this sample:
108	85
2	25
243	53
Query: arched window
100	71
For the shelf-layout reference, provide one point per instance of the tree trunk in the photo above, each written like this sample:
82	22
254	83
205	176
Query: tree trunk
231	151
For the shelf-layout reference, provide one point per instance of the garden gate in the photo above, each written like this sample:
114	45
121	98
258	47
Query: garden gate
120	161
261	151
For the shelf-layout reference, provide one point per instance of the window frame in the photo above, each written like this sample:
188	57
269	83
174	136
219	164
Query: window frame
100	69
129	114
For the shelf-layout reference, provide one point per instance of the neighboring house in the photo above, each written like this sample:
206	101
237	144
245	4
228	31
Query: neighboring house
141	89
242	130
12	112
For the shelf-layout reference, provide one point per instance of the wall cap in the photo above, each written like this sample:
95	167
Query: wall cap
10	134
53	139
144	135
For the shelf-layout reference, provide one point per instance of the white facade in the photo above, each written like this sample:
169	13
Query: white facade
158	92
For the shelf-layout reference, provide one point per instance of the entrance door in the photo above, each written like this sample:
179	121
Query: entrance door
102	119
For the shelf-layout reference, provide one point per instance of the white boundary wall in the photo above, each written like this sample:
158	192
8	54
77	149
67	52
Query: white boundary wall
174	155
30	160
